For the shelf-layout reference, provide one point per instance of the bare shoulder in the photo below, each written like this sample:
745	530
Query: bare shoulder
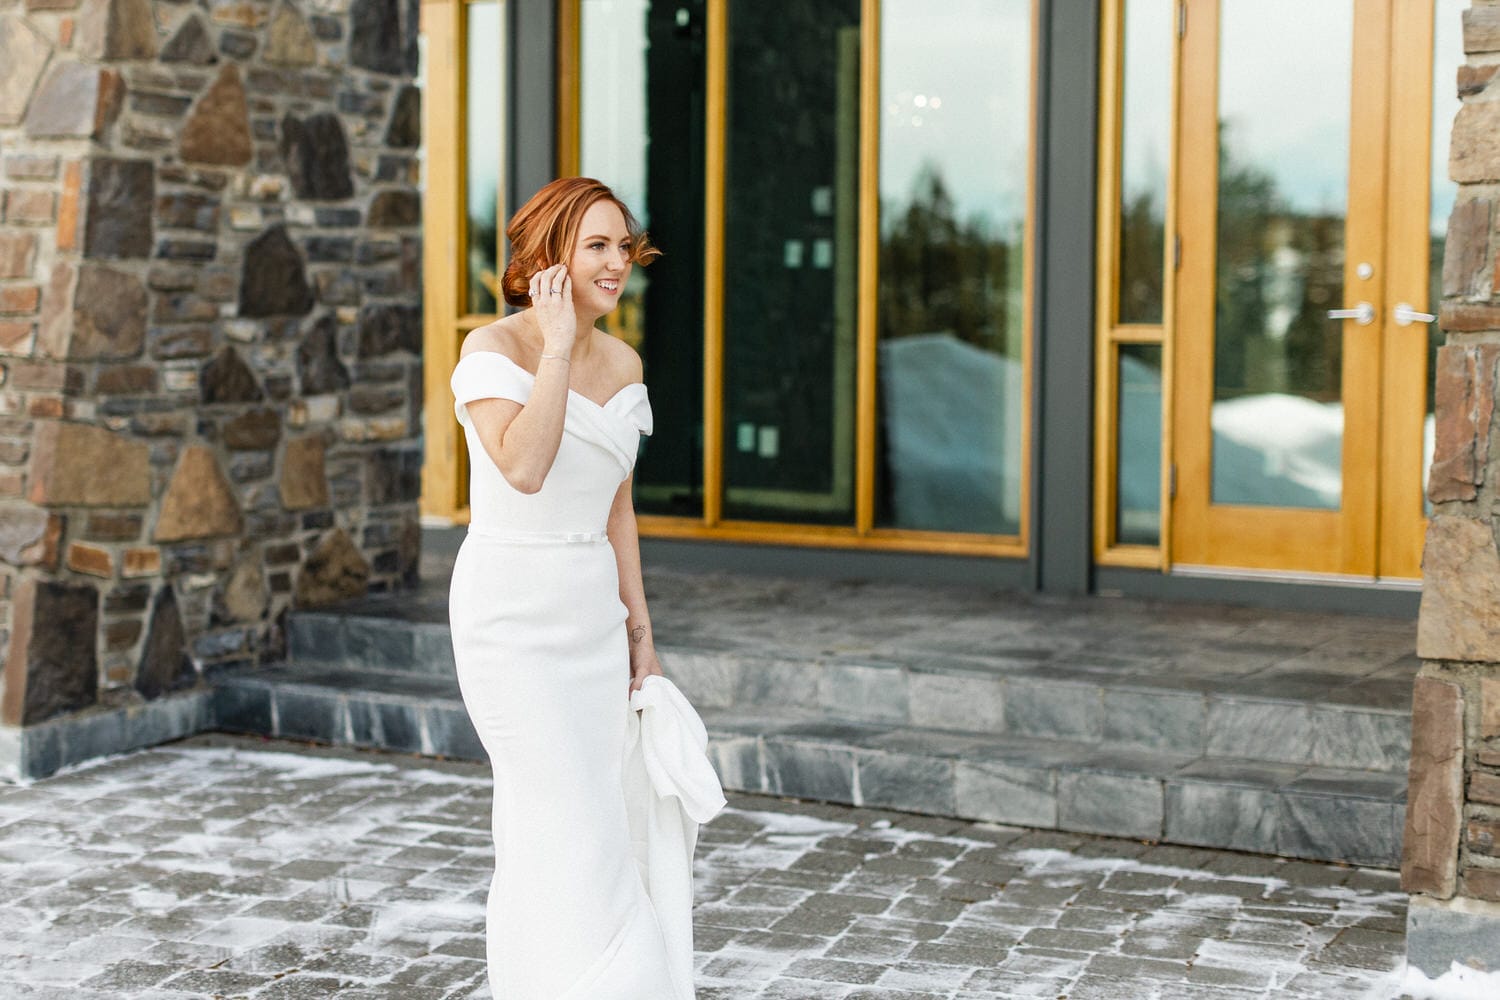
501	336
621	360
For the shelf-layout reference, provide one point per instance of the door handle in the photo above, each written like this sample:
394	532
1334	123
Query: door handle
1363	314
1405	315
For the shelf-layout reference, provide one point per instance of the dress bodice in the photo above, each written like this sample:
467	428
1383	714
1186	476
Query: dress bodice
598	450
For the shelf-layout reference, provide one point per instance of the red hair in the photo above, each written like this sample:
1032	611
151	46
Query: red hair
543	231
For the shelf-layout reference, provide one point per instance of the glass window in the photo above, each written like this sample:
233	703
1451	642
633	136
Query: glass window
955	97
1278	415
791	260
1138	448
483	131
1145	147
642	63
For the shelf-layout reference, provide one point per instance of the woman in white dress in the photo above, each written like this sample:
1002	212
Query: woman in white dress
551	634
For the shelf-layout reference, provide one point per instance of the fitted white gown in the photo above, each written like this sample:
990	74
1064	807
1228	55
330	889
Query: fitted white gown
543	664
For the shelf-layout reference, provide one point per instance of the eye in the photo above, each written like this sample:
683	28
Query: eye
627	248
597	245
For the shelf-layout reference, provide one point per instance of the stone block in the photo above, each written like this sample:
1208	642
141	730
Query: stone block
90	559
1465	395
316	639
290	39
317	157
808	770
31	167
77	465
855	691
1460	612
1369	740
1257	729
28	535
74	100
23	54
959	700
736	760
776	683
387	328
1481	29
708	680
378	644
1489	707
1157	719
1005	793
164	664
139	562
1482	883
217	130
1434	810
191	44
16	337
909	782
395	209
375	40
121	194
121	30
434	653
451	733
1474	155
69	208
1466	257
103	317
1113	804
1059	710
199	502
335	571
17	254
405	128
273	281
30	208
1464	931
18	300
310	714
1484	787
304	478
1240	818
1482	836
1357	831
48	670
1469	317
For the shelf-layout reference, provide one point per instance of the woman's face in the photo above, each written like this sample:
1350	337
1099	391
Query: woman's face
601	258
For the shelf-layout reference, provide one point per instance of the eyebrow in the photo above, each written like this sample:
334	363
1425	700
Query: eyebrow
601	236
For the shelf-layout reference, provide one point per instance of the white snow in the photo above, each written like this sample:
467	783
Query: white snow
1459	983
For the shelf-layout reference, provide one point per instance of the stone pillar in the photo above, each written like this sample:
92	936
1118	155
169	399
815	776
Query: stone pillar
1451	852
210	339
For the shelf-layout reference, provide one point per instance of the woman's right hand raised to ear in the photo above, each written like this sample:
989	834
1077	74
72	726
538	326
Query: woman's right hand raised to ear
552	308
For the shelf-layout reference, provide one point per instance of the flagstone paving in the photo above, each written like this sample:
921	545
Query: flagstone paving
245	868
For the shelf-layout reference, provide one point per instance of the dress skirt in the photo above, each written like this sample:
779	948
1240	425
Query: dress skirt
543	663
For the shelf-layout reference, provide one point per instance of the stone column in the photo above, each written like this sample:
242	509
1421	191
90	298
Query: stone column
210	339
1451	852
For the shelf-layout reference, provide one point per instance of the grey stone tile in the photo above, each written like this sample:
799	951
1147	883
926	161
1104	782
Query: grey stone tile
807	770
1345	737
432	651
908	782
1277	731
1243	773
1114	804
1359	831
776	683
969	701
1161	720
314	637
1061	710
1331	782
452	734
737	761
308	713
856	691
1212	815
1006	793
708	679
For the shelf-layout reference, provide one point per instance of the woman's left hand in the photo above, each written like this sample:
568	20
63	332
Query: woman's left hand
642	665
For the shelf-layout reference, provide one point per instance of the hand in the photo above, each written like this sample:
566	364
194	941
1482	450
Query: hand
643	665
552	308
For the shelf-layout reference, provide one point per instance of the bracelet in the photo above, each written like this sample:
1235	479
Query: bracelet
557	357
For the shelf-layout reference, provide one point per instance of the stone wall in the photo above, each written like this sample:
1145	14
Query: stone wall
210	334
1451	859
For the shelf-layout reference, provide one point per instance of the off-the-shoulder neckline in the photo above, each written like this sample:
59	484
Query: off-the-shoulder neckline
572	392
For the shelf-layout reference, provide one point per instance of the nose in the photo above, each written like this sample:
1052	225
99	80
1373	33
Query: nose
619	260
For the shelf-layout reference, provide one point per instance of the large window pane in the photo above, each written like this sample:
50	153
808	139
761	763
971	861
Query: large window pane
790	260
955	95
483	131
1145	147
1278	418
642	64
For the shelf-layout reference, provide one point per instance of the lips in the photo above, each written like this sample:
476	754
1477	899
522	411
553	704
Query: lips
612	287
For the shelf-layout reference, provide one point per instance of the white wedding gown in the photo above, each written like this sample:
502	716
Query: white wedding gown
540	645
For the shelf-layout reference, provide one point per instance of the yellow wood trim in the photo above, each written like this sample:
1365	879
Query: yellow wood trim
1403	389
867	348
569	86
1169	314
1028	280
759	532
1106	273
1136	334
1131	557
716	110
442	235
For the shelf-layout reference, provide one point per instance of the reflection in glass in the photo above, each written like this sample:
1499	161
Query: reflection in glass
1447	56
790	268
1283	191
1138	454
1145	146
955	84
483	128
642	62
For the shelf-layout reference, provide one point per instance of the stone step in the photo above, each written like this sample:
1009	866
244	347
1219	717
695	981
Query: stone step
1303	811
1362	727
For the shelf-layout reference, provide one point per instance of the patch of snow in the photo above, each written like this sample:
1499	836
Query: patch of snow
1460	982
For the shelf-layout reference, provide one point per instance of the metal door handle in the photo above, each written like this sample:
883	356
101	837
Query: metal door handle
1363	314
1405	315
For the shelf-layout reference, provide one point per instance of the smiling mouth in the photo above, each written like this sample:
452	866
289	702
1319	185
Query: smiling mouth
609	286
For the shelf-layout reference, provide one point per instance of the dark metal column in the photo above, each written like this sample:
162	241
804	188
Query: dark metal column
531	157
1063	375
